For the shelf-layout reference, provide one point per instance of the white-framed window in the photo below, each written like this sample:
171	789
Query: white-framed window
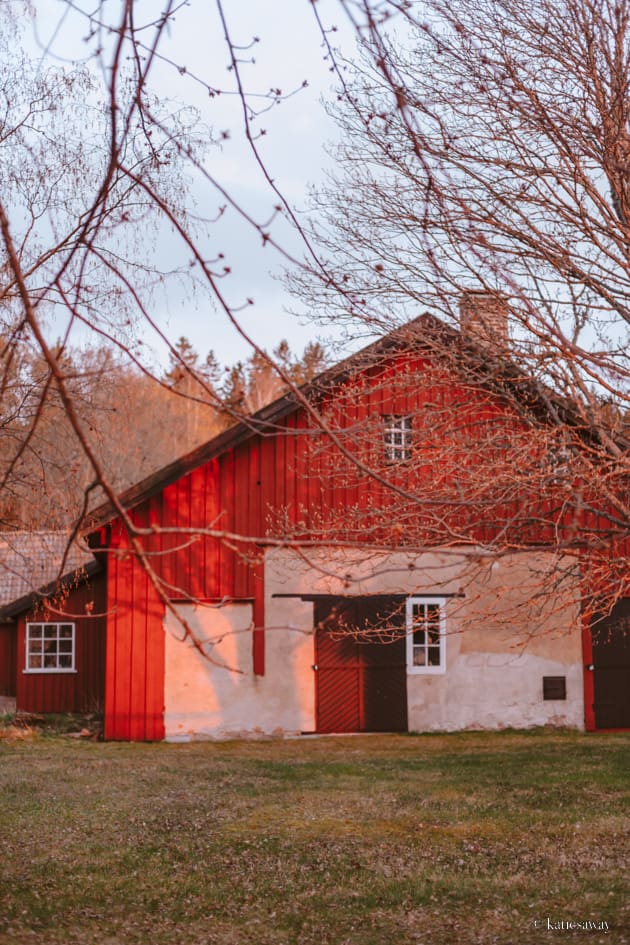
397	436
50	648
426	637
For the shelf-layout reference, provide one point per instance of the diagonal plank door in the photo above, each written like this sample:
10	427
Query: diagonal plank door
361	677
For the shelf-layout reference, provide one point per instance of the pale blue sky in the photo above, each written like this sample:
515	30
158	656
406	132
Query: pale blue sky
288	52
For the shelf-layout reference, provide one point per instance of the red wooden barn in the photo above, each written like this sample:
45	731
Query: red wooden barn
292	582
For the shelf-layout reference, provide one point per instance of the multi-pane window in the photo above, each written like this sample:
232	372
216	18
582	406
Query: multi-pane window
426	650
397	438
49	647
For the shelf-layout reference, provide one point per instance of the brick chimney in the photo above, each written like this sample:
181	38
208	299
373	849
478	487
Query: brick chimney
483	317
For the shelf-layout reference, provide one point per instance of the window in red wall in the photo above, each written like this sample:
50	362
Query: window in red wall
50	648
397	435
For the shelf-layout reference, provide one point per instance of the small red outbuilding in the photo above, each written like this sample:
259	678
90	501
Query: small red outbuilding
52	625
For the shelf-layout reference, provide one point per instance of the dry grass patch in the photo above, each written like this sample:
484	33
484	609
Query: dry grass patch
17	733
362	841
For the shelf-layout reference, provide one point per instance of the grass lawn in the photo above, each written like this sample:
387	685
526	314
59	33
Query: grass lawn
441	840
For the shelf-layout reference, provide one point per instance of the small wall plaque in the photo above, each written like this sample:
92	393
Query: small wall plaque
554	687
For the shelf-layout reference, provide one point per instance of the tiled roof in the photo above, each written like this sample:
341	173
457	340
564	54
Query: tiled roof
30	561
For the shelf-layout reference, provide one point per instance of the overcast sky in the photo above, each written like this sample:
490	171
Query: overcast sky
289	52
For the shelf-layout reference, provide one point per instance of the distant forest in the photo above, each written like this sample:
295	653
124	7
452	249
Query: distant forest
136	422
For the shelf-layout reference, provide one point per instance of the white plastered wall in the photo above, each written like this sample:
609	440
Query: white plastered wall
210	690
502	638
503	634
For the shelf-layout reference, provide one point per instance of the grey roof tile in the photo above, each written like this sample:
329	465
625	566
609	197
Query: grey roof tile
30	561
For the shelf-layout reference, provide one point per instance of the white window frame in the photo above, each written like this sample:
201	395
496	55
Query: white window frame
397	438
36	634
411	646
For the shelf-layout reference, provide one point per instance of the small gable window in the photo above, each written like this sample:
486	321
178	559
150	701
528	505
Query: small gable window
426	641
397	434
50	648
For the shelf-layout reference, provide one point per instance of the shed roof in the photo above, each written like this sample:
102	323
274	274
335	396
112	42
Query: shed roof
34	563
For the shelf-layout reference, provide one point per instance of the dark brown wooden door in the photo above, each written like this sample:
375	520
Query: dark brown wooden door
611	659
8	660
361	677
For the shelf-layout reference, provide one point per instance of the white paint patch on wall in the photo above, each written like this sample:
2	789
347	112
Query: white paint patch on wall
206	697
487	691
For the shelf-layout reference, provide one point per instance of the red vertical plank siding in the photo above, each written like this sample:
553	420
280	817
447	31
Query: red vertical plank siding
295	473
182	569
351	418
110	729
226	522
300	473
197	544
269	467
138	643
153	518
274	481
379	495
119	629
134	694
254	486
212	576
260	471
290	472
90	655
255	526
242	522
366	409
150	705
79	691
311	482
169	515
